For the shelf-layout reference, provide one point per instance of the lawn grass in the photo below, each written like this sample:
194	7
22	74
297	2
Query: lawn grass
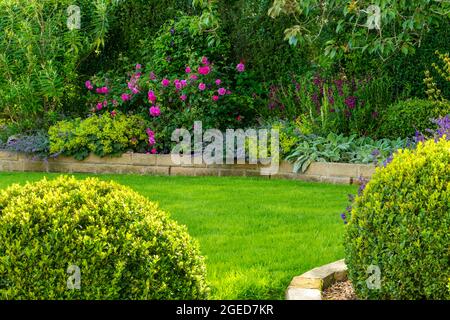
256	233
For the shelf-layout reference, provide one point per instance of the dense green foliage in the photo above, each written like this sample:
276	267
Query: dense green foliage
246	226
405	118
400	223
40	56
102	135
124	246
338	148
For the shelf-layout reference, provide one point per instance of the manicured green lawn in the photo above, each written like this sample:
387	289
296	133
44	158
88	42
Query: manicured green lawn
256	233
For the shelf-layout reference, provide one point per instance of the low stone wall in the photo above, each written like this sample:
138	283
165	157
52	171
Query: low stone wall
133	163
311	284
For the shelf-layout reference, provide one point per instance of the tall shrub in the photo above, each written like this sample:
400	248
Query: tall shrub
40	56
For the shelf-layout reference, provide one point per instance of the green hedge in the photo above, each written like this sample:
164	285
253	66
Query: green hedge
405	117
124	246
401	224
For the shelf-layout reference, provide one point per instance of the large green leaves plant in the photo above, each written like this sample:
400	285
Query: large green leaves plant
338	148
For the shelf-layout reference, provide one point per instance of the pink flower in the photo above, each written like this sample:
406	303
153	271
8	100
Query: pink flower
102	90
113	113
184	83
154	151
99	106
183	97
165	82
105	103
178	85
228	92
89	85
188	70
135	90
151	137
240	67
202	86
222	91
204	70
193	77
138	67
125	97
155	111
152	76
218	82
215	98
205	60
151	96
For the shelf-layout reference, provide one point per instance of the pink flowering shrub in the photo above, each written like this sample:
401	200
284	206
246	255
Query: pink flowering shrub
199	92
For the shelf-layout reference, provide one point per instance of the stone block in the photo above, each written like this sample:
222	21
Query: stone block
182	171
342	170
366	171
11	156
286	167
303	294
232	173
142	159
7	165
164	160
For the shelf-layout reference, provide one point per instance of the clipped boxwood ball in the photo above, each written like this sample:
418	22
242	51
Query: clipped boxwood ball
90	239
401	225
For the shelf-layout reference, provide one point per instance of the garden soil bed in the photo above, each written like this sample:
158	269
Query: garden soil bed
340	291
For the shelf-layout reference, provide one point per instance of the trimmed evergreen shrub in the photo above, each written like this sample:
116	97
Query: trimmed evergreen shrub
124	246
404	118
401	224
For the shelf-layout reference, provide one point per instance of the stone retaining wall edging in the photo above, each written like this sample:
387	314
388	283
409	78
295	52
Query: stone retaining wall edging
134	163
310	285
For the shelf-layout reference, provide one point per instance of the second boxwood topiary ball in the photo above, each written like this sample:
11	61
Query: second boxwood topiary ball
400	224
122	245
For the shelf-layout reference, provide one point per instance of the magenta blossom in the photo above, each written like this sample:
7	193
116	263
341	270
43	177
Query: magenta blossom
102	90
202	86
138	67
184	83
179	85
125	97
155	111
204	70
188	70
215	98
99	106
151	137
222	91
152	76
151	96
218	82
154	151
165	82
183	97
193	77
113	113
205	60
240	67
89	85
